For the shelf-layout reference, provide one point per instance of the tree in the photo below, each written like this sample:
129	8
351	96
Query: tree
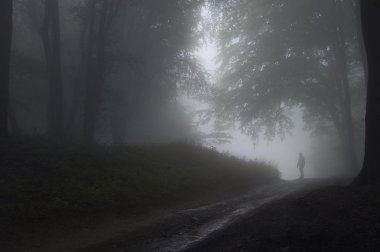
147	61
45	22
5	51
154	57
370	17
341	64
51	38
277	56
99	18
122	73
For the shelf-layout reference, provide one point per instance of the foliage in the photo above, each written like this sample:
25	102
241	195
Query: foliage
276	56
147	61
43	180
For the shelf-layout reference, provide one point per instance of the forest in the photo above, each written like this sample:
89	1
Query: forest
140	125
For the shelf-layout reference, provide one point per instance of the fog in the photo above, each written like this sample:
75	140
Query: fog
280	151
257	79
189	125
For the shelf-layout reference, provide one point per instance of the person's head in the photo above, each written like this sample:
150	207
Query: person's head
300	154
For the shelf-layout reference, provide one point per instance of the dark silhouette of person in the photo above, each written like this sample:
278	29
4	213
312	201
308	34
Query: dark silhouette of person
301	164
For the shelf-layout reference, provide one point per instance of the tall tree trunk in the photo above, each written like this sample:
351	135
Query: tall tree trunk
347	115
51	38
370	17
121	116
95	72
340	59
100	22
5	52
77	93
355	7
13	123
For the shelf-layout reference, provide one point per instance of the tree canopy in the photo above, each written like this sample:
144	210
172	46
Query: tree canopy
277	56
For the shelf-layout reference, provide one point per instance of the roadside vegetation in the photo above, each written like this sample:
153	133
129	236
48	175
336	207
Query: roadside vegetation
42	180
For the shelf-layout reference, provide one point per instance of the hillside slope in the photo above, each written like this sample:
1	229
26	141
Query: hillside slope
45	183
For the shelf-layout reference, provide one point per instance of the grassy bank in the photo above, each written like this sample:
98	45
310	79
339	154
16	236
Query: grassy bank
42	180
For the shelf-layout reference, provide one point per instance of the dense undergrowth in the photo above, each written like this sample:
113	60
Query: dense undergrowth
41	179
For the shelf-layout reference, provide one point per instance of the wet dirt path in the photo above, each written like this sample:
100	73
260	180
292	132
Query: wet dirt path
182	230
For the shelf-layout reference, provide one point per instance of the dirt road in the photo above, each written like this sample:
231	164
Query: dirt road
183	230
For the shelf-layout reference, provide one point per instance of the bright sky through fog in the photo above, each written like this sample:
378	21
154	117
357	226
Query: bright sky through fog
207	56
284	153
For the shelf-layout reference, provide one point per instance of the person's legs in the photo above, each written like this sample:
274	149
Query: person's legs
301	173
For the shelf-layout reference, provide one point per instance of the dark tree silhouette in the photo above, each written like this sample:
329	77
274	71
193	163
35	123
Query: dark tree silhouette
99	21
51	38
5	48
370	16
347	132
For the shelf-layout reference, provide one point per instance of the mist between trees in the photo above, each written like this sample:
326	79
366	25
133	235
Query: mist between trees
112	71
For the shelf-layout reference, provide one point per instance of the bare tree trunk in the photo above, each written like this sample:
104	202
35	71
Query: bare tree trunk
75	105
347	115
95	70
355	7
122	115
347	133
13	123
51	39
5	51
96	63
77	94
119	118
370	16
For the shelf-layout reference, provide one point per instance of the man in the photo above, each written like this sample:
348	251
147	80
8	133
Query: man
301	164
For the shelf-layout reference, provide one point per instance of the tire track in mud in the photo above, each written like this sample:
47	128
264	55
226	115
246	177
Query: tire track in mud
184	229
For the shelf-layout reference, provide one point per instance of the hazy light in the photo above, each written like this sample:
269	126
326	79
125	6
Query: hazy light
207	56
283	153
